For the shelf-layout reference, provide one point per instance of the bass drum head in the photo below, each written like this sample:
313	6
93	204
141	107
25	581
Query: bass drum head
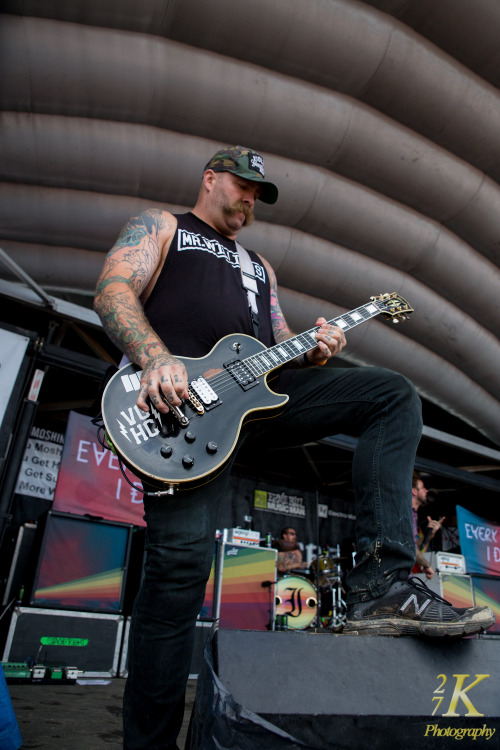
296	597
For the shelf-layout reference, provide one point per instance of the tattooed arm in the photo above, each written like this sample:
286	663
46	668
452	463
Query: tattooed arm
290	561
331	339
130	271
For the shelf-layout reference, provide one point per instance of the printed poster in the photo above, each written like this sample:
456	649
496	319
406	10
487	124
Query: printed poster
40	466
479	542
90	480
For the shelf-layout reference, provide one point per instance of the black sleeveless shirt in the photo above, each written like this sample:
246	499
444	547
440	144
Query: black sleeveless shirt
198	297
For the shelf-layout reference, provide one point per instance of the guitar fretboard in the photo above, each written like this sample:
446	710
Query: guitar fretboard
280	354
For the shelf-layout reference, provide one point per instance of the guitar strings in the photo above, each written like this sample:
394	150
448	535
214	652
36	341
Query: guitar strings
225	381
255	366
287	345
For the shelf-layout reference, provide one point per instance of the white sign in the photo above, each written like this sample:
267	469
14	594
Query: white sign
40	467
12	350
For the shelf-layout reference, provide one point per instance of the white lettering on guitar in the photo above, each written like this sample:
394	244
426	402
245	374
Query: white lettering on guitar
141	431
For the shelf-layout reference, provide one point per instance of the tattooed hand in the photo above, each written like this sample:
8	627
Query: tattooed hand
163	377
331	341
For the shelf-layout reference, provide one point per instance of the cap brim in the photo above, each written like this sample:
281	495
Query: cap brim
269	192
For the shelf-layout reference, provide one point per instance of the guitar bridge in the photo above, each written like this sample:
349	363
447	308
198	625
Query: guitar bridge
195	402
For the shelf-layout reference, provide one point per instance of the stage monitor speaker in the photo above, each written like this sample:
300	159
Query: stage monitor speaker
333	692
82	564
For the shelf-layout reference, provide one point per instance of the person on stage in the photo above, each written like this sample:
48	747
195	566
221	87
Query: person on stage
171	287
289	553
419	499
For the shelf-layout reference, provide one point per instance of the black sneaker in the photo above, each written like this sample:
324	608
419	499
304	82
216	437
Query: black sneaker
410	608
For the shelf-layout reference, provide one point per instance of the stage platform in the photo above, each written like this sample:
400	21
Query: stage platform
296	689
76	717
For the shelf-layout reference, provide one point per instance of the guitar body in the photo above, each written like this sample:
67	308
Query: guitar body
168	451
227	387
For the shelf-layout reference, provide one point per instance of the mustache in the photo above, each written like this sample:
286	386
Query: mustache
240	207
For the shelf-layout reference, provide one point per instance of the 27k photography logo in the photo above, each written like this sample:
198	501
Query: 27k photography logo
453	698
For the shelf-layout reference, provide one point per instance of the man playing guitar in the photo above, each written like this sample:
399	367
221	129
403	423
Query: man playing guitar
171	288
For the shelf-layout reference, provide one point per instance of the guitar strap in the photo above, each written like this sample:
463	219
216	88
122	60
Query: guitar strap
249	284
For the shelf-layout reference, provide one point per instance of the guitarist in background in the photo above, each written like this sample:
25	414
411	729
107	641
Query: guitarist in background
419	499
171	286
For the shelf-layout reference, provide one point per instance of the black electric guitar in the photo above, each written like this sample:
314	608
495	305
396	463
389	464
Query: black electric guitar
192	443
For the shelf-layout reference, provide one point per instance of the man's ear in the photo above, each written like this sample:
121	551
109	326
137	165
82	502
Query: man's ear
209	178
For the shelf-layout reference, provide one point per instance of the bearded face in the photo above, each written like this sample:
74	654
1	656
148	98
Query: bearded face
229	201
232	209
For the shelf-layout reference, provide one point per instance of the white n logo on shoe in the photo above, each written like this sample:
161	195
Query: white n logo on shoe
413	598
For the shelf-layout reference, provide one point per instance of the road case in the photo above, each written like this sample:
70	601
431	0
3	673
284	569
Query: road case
90	641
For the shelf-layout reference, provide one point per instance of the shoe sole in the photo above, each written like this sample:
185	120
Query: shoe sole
399	626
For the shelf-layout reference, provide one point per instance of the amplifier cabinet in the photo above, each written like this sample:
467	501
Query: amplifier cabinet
457	589
487	593
90	641
245	587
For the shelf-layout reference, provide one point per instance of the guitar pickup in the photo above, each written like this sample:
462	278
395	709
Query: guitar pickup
241	373
204	393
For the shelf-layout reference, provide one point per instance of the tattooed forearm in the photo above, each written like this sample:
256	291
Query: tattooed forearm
280	328
128	269
125	323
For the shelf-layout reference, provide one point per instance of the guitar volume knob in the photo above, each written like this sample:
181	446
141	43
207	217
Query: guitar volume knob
189	437
212	447
166	451
188	461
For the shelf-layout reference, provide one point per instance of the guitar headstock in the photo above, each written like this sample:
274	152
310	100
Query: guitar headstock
392	306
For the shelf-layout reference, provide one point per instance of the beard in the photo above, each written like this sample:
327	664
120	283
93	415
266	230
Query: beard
231	210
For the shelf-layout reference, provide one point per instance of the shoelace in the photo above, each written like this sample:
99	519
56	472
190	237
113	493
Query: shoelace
423	588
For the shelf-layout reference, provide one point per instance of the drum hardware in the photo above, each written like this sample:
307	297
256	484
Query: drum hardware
332	610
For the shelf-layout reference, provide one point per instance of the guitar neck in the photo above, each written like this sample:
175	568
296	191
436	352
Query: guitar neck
286	351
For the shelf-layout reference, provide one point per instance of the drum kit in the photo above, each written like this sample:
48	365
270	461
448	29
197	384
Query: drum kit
301	604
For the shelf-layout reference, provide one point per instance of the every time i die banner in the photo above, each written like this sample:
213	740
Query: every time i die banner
479	543
90	480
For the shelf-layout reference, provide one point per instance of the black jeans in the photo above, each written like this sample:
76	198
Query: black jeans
383	409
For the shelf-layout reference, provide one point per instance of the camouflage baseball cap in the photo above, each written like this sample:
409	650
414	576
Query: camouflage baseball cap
245	163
